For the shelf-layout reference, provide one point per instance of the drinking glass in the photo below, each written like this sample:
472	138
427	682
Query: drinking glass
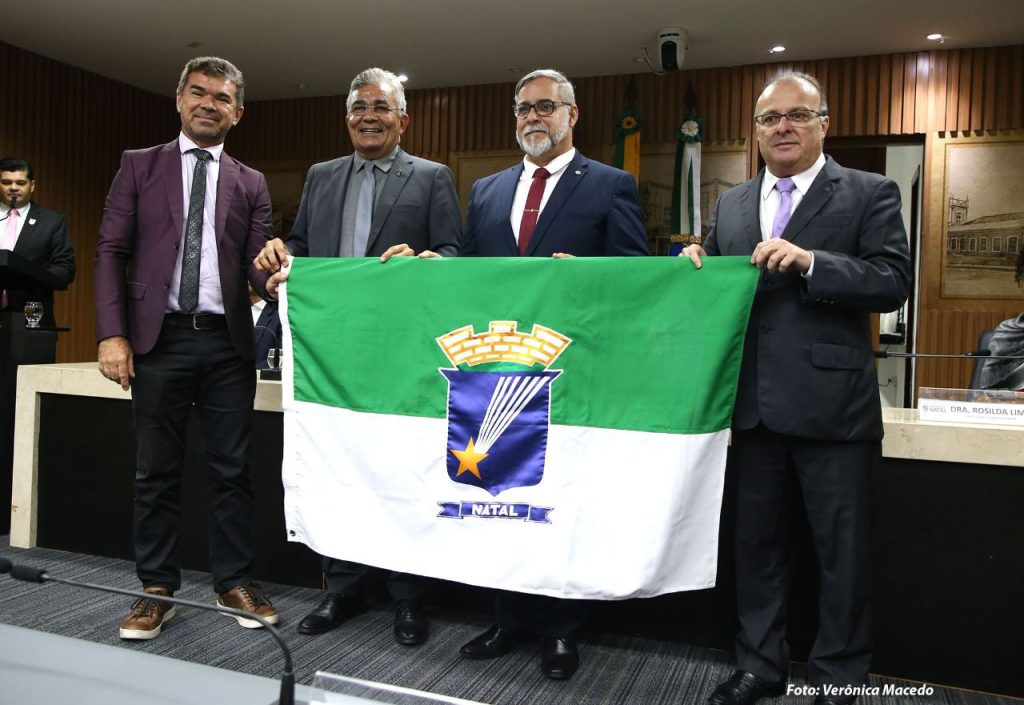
33	313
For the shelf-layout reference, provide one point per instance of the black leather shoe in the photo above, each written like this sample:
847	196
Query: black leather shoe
332	611
493	643
410	623
745	688
834	699
559	658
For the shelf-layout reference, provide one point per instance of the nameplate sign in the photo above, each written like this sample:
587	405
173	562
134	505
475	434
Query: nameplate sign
1000	407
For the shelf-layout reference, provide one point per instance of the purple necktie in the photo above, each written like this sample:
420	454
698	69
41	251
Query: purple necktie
785	188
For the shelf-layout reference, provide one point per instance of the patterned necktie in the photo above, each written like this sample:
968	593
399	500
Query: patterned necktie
8	244
364	211
188	290
529	222
785	188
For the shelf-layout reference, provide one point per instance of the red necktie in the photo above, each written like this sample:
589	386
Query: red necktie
533	199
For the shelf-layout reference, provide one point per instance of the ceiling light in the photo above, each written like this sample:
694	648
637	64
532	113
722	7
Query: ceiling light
936	37
777	49
402	77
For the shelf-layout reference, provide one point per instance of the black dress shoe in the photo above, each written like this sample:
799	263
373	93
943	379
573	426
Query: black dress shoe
834	699
493	643
332	611
744	688
559	658
410	623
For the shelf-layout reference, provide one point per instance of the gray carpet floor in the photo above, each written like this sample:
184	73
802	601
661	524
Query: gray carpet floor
615	670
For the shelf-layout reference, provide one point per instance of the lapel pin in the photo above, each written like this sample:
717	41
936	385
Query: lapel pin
399	173
31	221
578	172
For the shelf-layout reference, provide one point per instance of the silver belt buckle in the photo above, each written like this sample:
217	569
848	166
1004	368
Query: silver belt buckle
195	318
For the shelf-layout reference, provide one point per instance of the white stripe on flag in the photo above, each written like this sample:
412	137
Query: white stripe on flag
367	487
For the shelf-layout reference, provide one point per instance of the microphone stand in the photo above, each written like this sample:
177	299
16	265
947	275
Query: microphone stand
39	575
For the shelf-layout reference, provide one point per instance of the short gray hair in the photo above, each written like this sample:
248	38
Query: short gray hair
376	77
214	66
565	90
806	78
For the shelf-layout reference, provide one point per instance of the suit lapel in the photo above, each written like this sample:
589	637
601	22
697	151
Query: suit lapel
170	168
820	192
226	182
571	177
750	205
28	231
505	190
397	178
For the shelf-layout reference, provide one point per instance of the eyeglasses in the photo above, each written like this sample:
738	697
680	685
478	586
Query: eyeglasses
543	108
379	109
794	117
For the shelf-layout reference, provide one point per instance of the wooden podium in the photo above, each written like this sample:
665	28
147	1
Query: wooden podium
19	346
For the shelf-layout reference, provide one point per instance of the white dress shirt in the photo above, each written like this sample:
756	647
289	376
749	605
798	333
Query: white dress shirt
556	168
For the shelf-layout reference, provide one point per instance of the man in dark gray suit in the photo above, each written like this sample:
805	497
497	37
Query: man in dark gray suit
378	202
832	248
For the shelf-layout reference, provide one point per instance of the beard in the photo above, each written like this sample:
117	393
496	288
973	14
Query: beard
534	147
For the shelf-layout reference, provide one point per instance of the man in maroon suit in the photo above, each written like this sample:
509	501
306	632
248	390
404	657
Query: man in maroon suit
182	223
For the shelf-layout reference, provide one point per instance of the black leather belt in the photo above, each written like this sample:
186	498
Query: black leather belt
196	321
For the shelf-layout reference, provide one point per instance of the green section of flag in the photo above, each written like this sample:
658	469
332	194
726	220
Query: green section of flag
656	343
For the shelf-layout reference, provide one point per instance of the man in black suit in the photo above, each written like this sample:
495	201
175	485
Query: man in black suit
37	234
379	202
833	248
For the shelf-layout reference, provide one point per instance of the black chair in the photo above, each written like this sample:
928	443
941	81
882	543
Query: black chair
979	363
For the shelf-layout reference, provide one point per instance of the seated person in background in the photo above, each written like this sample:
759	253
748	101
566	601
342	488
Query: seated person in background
1008	339
266	330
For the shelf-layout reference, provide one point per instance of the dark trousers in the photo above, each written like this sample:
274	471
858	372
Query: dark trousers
190	368
834	479
348	578
539	614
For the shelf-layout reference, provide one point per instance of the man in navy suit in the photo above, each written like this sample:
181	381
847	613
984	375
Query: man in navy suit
181	226
37	234
556	203
833	248
410	206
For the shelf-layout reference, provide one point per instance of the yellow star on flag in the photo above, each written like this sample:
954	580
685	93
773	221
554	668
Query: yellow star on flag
468	459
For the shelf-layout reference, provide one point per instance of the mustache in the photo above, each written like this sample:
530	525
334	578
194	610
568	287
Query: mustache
536	128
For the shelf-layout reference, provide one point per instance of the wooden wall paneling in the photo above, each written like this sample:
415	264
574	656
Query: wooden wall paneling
952	63
922	83
963	121
895	95
909	94
991	70
1016	87
977	90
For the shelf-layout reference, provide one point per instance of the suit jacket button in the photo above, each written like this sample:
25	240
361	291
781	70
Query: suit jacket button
765	329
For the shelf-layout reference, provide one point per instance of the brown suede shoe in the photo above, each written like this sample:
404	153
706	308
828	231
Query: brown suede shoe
250	599
147	616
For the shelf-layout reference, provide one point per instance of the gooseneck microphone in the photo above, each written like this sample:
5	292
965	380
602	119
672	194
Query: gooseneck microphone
39	575
983	354
12	205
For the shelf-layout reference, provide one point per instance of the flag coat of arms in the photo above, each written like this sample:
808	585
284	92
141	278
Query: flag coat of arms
556	427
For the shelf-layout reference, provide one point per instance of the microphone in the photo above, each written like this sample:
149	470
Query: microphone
275	353
39	575
983	353
13	204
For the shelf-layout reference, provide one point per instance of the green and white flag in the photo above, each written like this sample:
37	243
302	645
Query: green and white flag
550	426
